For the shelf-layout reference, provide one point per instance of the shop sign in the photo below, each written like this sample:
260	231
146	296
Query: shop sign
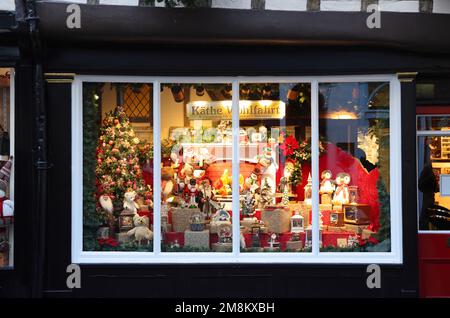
262	109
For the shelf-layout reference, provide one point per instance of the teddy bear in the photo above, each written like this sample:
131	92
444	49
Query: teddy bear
128	203
167	183
141	231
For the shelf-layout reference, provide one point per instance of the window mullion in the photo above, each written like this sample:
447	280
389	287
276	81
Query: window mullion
235	169
156	168
315	165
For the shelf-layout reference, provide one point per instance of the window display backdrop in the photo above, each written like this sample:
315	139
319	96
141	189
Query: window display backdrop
433	164
239	170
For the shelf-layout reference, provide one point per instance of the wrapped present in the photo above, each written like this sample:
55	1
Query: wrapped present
181	218
222	247
220	218
354	228
277	218
248	223
294	245
166	227
196	239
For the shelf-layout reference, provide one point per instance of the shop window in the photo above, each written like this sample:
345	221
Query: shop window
274	141
433	163
355	166
6	169
237	169
117	173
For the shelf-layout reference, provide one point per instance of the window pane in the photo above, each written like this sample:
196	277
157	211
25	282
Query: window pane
117	169
274	136
6	173
354	167
433	163
434	123
196	153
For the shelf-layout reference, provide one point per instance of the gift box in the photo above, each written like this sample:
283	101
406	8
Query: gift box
248	223
196	239
294	245
222	247
181	218
355	228
215	225
277	218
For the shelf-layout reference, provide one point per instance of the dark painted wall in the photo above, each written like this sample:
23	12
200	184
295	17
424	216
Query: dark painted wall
222	280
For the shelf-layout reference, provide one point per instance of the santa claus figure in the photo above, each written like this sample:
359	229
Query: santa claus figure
206	195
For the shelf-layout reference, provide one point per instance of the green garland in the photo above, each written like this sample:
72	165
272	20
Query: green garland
91	219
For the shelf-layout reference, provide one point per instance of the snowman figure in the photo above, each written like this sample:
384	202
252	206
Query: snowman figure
341	195
326	185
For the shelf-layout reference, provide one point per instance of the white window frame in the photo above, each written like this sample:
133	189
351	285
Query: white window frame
395	256
427	133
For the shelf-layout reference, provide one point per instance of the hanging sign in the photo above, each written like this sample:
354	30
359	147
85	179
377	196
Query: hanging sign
261	109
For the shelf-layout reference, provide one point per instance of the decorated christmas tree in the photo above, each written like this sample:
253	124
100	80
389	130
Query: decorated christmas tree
118	167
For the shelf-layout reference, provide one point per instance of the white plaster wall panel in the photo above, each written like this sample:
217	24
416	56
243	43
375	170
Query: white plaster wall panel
232	4
441	6
287	5
399	6
340	5
7	5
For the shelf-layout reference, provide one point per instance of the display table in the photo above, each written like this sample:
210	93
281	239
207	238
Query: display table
329	238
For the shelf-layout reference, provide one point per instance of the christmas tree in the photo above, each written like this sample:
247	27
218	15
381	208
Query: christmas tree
118	167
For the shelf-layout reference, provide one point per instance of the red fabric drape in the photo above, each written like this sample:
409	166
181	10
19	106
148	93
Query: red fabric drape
337	160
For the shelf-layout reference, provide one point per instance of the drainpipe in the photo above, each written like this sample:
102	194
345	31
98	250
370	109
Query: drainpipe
31	21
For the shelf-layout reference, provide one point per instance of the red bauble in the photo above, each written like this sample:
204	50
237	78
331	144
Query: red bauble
118	171
116	121
99	161
110	142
